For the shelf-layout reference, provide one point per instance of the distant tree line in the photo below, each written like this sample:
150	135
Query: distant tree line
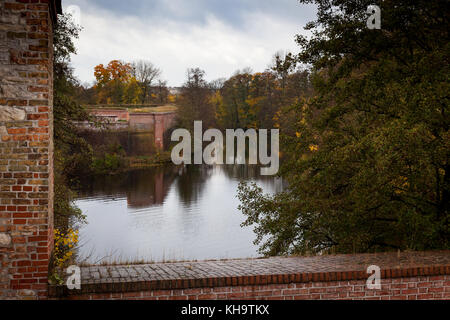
245	100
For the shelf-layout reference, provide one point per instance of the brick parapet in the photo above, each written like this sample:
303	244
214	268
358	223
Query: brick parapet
144	280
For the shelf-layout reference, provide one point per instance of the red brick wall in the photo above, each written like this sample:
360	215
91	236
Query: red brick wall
157	122
409	288
26	147
159	130
142	121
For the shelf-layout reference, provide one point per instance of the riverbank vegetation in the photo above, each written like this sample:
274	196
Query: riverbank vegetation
71	153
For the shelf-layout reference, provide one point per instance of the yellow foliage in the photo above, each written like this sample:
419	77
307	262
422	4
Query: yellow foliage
172	98
64	246
313	148
276	119
401	184
133	91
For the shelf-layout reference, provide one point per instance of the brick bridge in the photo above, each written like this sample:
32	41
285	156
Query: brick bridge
157	122
26	208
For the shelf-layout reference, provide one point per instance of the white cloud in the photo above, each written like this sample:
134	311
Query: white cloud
215	46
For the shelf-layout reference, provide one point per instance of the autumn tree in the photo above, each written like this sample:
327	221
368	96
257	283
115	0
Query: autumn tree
146	75
116	83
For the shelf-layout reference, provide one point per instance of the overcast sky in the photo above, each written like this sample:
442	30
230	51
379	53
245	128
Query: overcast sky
219	36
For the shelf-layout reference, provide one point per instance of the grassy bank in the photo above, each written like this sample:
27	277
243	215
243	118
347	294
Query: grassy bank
135	108
142	162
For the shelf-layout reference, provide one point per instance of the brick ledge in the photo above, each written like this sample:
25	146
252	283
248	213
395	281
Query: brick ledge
352	273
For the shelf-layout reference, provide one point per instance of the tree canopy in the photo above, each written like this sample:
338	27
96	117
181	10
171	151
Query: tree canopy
366	157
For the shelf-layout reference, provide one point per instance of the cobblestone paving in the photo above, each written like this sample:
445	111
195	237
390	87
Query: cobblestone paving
256	267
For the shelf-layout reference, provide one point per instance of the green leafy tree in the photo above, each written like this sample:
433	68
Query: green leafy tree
367	157
72	154
235	93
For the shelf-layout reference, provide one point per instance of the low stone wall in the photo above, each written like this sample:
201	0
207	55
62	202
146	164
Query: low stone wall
405	276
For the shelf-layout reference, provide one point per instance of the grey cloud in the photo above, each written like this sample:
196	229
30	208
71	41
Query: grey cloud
232	12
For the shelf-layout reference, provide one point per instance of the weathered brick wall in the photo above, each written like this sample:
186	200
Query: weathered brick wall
26	180
408	288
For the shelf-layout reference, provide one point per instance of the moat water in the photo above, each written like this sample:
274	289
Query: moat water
168	214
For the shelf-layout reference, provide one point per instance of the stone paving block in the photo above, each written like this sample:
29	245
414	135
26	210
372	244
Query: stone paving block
276	267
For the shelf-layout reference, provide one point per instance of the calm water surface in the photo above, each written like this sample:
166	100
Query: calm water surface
169	213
